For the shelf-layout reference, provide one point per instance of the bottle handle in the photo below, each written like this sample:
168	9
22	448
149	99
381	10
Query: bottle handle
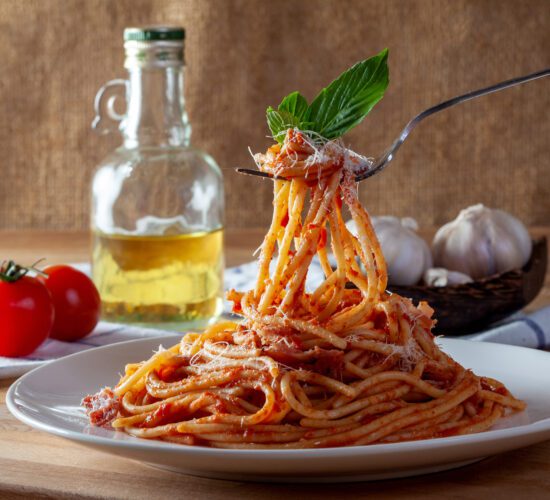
104	105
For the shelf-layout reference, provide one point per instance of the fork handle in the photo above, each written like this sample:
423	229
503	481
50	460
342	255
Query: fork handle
389	154
463	98
472	95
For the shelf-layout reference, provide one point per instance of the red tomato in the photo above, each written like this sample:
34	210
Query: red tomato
26	315
76	301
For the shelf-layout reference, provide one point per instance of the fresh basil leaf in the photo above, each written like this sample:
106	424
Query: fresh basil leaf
349	98
306	126
279	122
295	104
291	110
338	107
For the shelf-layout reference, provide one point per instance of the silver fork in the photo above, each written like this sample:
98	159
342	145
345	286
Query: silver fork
382	161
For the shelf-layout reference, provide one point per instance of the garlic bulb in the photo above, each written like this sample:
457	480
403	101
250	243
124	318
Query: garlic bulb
438	276
482	241
407	254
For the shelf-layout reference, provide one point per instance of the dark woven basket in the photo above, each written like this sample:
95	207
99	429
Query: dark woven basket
471	307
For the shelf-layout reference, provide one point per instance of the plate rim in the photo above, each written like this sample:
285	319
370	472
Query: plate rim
534	429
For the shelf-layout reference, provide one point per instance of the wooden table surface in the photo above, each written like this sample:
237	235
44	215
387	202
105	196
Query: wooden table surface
35	464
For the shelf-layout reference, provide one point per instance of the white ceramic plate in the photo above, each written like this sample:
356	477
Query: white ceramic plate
48	398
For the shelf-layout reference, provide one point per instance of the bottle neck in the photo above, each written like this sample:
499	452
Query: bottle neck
156	113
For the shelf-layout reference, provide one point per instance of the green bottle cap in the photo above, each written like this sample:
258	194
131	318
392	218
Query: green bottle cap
154	33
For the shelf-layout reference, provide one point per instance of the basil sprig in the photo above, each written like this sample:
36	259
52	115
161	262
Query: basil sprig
339	107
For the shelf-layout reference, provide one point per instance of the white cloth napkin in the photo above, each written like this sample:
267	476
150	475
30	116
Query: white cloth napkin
105	333
524	330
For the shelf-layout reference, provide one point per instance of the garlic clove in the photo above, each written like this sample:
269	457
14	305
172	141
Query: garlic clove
407	254
407	265
481	242
466	250
409	223
438	276
517	238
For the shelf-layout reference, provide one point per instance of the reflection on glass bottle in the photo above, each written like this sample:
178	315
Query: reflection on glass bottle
157	209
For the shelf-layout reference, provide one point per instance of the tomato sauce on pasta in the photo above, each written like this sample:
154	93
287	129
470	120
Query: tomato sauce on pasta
333	366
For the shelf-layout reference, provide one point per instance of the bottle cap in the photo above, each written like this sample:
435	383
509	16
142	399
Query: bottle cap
154	33
154	47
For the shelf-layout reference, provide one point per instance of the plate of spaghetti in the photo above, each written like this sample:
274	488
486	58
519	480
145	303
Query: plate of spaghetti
333	383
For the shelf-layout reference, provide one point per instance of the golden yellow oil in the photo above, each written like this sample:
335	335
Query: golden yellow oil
174	282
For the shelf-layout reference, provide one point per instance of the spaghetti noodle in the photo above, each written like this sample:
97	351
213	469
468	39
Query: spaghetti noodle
327	367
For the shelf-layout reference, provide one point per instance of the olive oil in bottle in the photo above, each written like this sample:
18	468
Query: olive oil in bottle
157	202
160	279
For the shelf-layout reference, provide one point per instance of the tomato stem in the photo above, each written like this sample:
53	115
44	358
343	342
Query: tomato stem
10	272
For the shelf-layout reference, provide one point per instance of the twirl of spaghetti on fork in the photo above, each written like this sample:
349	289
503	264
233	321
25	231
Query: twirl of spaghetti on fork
332	366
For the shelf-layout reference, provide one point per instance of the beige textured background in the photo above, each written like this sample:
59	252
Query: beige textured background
246	54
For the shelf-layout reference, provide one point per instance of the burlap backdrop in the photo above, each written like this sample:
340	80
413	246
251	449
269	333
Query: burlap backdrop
246	54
